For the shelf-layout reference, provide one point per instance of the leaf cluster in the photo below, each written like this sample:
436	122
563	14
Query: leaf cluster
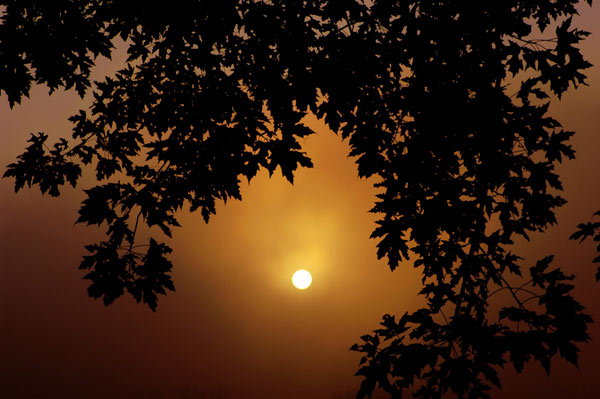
460	357
590	229
53	43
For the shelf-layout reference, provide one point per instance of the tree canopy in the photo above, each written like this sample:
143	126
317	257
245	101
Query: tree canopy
445	102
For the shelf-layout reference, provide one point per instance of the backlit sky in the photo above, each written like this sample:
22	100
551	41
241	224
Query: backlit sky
236	327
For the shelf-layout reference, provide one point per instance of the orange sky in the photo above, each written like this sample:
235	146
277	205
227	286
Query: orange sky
236	326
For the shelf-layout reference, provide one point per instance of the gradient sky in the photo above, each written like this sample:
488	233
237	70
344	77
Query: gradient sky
236	327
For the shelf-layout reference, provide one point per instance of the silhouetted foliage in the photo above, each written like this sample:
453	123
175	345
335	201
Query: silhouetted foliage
589	229
444	101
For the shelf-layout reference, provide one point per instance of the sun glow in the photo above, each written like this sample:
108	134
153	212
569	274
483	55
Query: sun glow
302	279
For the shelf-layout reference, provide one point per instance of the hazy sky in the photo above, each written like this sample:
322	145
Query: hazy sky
236	326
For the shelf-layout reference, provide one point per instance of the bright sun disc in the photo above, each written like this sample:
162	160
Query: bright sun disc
302	279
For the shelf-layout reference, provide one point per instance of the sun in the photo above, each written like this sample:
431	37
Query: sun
302	279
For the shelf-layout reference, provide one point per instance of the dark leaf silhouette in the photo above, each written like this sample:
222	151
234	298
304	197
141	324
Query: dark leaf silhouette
590	229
